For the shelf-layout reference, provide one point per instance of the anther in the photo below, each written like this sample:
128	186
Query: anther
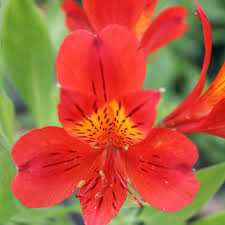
81	184
101	173
98	195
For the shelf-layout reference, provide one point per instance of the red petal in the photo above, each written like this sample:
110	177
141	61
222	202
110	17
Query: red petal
145	18
213	124
75	106
168	26
126	120
193	96
78	113
107	66
105	194
160	169
122	12
50	165
75	16
137	119
214	94
206	114
101	209
200	111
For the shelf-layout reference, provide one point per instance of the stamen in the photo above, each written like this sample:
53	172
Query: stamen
124	183
101	173
98	195
86	186
81	184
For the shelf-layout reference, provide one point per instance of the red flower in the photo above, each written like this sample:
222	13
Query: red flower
102	105
136	15
202	112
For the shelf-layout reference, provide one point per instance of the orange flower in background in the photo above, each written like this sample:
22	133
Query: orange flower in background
103	109
202	112
134	14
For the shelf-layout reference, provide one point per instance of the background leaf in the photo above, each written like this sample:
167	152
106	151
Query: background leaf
55	22
2	10
7	116
28	55
38	216
8	204
218	219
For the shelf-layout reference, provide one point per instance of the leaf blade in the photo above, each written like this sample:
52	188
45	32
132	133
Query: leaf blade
8	204
28	55
6	116
217	219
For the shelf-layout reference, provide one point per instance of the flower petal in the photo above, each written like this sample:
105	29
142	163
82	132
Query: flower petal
207	114
135	116
82	116
107	66
198	115
101	209
168	26
145	18
179	112
75	16
160	169
103	193
214	94
50	165
126	120
213	124
122	12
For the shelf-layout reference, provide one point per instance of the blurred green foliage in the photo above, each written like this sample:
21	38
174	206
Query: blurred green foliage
211	220
7	116
29	55
8	204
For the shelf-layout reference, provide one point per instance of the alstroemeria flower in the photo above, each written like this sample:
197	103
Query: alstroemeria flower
134	14
102	109
202	112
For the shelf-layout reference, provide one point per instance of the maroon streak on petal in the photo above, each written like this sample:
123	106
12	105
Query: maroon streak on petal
160	169
50	165
104	194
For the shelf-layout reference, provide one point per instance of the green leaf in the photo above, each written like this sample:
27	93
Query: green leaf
158	76
55	22
1	73
2	10
8	205
27	215
206	143
217	219
28	55
6	116
210	179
